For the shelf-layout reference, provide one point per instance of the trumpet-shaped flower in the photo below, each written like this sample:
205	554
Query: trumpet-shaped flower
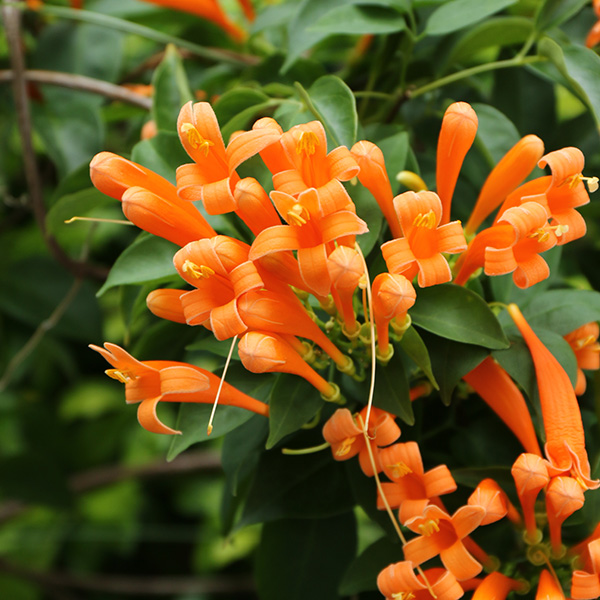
153	381
442	534
565	441
586	585
500	393
345	434
399	582
512	169
309	230
563	497
420	250
584	343
490	496
549	588
411	488
457	135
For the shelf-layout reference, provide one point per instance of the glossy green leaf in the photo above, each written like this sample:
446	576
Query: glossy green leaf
412	344
193	418
459	314
496	134
293	486
360	20
552	13
361	575
458	14
451	361
293	403
234	101
334	102
391	390
171	90
563	311
299	559
163	154
148	259
495	32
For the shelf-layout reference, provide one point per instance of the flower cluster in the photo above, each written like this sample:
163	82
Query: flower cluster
304	262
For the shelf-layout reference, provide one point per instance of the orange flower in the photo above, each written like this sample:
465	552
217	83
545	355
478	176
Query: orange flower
585	585
398	581
212	177
152	381
497	586
565	441
584	342
412	488
443	534
311	227
254	206
548	588
500	393
420	251
459	128
530	473
563	497
374	177
490	496
393	295
512	169
166	304
347	439
262	352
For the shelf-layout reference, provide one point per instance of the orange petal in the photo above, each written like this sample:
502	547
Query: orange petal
149	420
548	588
254	206
563	497
166	304
459	562
341	164
225	321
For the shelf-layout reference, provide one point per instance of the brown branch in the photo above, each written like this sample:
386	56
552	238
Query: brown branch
131	585
202	460
12	24
80	82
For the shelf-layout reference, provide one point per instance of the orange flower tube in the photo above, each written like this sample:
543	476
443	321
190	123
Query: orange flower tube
548	588
459	128
563	497
565	441
512	169
497	586
500	393
398	581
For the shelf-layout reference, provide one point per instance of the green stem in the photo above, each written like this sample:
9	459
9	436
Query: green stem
86	16
517	61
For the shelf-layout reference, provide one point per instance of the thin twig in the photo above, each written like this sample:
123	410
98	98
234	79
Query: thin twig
80	82
12	25
130	585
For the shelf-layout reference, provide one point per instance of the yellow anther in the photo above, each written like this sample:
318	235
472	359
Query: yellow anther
400	469
541	235
573	180
586	341
560	230
592	183
195	271
345	447
298	215
362	282
579	479
195	139
429	527
426	220
122	376
403	596
307	143
412	181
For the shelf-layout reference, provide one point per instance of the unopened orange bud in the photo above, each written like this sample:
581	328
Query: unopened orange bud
166	304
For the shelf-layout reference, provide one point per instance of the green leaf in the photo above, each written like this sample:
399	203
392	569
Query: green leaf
300	559
451	361
412	344
496	134
335	103
293	403
293	487
171	90
148	259
496	32
361	575
391	391
80	203
235	108
472	477
552	13
359	20
456	313
459	14
162	154
193	418
563	311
